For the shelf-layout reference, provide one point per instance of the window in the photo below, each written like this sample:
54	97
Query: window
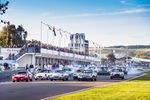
76	36
71	37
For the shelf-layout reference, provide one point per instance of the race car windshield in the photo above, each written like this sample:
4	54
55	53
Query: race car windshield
21	72
92	67
46	71
59	71
116	70
67	69
78	71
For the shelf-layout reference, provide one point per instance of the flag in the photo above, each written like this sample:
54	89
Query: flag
49	27
60	32
54	31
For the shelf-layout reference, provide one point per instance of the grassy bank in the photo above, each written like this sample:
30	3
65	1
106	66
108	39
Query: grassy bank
137	89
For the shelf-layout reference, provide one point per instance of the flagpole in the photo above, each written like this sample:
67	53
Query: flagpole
41	34
100	54
47	36
65	40
53	40
60	41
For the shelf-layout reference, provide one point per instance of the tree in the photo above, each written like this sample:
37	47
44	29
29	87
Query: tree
142	54
131	53
10	36
22	33
25	35
3	37
3	6
111	57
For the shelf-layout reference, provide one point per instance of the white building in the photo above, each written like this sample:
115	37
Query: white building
79	43
43	57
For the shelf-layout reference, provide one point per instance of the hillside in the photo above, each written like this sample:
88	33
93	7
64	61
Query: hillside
132	46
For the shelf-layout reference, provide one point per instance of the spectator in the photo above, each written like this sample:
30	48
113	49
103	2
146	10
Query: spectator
27	67
31	66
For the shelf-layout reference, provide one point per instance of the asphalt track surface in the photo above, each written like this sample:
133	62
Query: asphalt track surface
37	90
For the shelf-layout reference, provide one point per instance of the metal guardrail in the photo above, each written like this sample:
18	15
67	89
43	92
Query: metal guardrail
7	74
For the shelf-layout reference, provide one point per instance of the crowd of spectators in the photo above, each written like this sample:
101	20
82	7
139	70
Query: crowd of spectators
37	45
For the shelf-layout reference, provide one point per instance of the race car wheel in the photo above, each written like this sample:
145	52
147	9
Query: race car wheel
36	79
66	79
111	77
95	79
79	79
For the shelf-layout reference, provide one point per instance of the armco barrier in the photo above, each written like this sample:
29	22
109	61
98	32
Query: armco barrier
7	74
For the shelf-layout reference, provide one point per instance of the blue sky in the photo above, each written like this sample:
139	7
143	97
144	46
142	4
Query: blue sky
107	22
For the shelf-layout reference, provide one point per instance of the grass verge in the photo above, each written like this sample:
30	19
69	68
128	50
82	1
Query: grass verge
137	89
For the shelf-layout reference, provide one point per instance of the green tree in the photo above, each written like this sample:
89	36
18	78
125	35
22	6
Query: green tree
22	33
142	54
3	37
132	53
10	35
25	36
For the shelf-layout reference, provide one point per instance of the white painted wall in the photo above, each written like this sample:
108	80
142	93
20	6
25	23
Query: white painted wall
4	52
26	59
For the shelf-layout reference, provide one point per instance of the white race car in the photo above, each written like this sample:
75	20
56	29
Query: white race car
43	75
117	73
94	68
76	74
87	75
59	75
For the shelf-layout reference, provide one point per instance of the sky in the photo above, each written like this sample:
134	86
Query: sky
106	22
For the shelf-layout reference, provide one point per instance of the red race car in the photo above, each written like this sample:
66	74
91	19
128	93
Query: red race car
22	76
